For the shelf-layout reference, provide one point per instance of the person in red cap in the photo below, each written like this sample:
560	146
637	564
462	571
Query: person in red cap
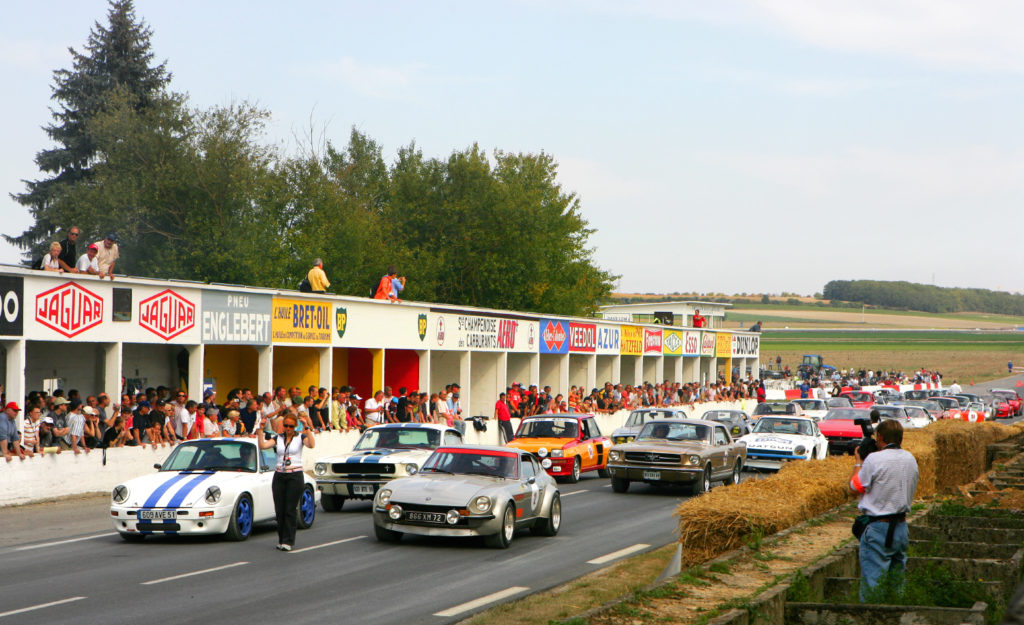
87	263
10	437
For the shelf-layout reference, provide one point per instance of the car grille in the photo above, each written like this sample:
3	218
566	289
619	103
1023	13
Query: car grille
143	526
419	507
652	458
362	469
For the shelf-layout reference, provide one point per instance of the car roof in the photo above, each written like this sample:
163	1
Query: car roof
398	426
560	415
232	439
783	417
482	448
685	421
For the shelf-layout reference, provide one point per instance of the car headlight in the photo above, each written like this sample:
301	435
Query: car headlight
546	463
557	453
384	496
120	493
693	460
320	468
212	495
800	450
481	504
411	468
395	513
543	452
614	455
452	517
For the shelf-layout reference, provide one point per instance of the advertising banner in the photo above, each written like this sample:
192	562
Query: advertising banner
554	336
167	314
632	341
608	340
473	332
707	343
12	299
69	309
652	341
746	345
582	337
236	319
300	321
723	345
691	343
673	343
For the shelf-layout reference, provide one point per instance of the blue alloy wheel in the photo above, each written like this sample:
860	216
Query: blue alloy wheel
307	508
245	516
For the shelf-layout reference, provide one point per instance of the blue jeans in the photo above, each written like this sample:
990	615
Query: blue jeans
876	559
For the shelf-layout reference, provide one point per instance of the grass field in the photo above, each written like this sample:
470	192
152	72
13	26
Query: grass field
810	316
966	356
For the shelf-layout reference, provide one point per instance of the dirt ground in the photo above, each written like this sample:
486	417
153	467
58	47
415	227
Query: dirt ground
870	320
692	597
966	367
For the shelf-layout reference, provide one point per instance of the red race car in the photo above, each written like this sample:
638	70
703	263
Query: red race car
859	399
1012	398
842	433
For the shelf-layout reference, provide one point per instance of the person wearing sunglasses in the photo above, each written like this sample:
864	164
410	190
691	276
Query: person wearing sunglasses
287	484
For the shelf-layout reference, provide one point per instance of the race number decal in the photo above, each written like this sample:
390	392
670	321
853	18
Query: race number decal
534	496
972	416
590	451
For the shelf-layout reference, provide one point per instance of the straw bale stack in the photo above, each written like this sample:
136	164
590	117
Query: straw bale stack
725	518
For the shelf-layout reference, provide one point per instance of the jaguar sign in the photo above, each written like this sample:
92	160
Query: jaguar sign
167	314
69	309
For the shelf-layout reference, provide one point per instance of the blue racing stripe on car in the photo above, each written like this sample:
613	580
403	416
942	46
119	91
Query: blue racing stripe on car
186	489
155	496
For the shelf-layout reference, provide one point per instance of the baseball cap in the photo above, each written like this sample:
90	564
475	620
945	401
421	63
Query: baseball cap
93	246
13	406
89	410
144	404
47	420
60	401
112	237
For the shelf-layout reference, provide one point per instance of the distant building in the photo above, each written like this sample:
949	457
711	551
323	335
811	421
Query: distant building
667	313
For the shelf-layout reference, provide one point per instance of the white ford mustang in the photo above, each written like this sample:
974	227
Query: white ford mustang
383	453
207	486
774	441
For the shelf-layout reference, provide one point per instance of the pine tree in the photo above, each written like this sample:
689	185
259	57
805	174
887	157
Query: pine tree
116	57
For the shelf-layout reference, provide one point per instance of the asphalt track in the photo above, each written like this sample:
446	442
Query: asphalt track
338	573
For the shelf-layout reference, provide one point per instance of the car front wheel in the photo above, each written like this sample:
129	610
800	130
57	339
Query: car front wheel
620	485
307	508
550	525
332	503
240	524
577	469
703	484
503	538
385	535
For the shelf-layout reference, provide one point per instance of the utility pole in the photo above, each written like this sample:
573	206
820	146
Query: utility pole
862	308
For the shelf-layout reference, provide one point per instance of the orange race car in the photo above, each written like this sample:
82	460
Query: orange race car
572	443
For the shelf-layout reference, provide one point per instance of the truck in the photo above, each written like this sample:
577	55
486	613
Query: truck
814	364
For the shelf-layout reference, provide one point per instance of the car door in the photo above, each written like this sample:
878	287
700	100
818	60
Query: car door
263	496
596	442
721	450
820	442
534	493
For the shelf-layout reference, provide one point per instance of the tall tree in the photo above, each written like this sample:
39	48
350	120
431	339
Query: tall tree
117	57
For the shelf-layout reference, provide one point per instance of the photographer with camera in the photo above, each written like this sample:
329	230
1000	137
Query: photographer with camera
886	480
288	482
867	428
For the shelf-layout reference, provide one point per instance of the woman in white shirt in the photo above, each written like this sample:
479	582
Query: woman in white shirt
50	262
288	483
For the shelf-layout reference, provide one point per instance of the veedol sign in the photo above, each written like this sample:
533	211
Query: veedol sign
69	309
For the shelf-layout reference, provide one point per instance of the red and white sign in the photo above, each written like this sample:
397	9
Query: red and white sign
582	337
553	336
652	341
707	344
507	333
69	309
691	343
167	314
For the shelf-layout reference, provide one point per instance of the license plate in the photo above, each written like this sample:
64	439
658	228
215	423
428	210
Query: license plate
158	514
425	517
652	475
362	489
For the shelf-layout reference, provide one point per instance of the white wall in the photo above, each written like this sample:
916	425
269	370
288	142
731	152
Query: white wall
156	364
80	364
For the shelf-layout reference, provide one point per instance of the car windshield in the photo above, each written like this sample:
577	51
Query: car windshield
212	456
766	408
840	413
947	402
1006	394
552	427
397	438
916	412
783	426
473	462
859	396
839	402
810	404
722	416
674	432
891	412
640	417
930	405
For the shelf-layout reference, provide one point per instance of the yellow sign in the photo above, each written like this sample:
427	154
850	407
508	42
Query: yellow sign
632	343
672	343
300	321
723	345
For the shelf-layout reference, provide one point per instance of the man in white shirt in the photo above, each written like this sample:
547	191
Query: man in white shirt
955	388
87	262
374	409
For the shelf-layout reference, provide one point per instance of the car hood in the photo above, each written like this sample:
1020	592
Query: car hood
376	456
839	427
626	431
777	442
680	447
173	489
533	444
443	490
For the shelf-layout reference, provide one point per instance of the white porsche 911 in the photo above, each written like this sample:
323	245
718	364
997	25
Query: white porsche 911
774	441
206	486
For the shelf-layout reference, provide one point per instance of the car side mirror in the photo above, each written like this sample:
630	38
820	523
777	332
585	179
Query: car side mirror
158	466
532	479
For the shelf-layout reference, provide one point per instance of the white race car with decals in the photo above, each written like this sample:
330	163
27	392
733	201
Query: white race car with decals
383	453
206	486
774	441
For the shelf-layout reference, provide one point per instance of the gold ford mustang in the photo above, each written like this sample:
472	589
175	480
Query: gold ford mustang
678	451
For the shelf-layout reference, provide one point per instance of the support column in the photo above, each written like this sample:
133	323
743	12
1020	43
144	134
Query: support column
638	371
616	370
424	376
659	370
534	370
196	369
327	375
677	370
14	381
265	369
502	374
563	375
591	372
112	362
378	371
755	367
465	397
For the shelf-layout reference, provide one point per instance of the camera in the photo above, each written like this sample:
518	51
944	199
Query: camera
867	445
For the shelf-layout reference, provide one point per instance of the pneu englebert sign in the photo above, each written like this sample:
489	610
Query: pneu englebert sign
236	319
300	321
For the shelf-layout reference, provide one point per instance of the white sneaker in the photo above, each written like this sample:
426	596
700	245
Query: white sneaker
280	547
286	547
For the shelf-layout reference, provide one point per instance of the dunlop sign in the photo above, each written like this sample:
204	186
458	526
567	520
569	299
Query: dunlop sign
746	345
300	321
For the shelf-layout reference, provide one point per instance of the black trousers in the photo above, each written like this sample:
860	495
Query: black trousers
287	488
506	430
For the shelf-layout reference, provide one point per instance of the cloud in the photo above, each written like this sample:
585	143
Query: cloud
32	56
389	82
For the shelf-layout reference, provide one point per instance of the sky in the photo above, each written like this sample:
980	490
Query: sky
716	147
